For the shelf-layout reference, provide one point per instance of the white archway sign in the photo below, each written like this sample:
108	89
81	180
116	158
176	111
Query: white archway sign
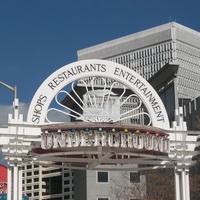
99	68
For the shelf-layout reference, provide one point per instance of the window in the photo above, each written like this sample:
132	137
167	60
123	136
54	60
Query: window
36	186
28	173
66	174
28	188
66	182
36	172
36	179
36	193
134	177
66	189
102	177
28	180
28	166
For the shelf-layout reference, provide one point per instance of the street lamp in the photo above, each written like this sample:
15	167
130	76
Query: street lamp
14	173
14	89
16	102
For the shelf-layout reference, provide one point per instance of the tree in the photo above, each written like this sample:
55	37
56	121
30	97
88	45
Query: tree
153	185
160	184
124	189
195	180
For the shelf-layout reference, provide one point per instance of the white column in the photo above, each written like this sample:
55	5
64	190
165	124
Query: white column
9	183
19	183
15	183
187	185
40	182
177	184
183	188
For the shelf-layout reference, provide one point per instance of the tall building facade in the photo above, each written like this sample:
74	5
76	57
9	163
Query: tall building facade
47	182
168	56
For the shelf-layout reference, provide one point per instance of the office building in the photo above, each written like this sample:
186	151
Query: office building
168	56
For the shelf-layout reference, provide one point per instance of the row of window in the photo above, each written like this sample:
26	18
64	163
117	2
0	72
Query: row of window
145	53
184	57
185	92
146	62
188	81
103	177
166	57
191	52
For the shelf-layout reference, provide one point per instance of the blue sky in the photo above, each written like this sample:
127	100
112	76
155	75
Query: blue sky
39	36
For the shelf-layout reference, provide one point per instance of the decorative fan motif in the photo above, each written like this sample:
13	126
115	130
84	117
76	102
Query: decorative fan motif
102	105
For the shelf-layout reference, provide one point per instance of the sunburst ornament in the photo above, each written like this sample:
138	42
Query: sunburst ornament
102	104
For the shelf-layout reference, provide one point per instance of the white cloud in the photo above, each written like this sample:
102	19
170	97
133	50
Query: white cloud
8	109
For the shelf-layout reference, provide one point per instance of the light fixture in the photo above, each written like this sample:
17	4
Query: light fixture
138	131
125	130
73	130
100	129
148	133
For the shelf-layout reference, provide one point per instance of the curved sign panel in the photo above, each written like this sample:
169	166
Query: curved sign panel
96	68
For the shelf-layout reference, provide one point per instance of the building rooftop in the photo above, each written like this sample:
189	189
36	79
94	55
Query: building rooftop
135	41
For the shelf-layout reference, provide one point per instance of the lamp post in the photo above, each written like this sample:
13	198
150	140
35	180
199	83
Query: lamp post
14	89
14	174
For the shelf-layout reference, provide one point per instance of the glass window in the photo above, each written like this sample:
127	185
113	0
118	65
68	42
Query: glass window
28	187
29	173
28	180
102	177
134	177
28	166
66	182
66	189
66	175
36	172
36	179
36	186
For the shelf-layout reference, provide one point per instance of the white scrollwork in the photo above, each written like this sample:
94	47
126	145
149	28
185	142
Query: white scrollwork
102	105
